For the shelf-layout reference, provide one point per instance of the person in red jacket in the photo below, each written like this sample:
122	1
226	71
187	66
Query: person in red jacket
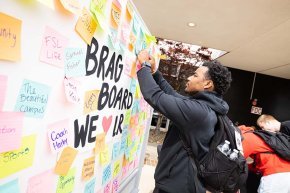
274	169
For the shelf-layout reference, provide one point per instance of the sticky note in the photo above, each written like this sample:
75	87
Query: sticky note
43	182
90	186
72	90
107	174
97	7
88	168
32	99
115	185
100	142
115	14
72	5
53	46
3	87
66	183
58	135
91	101
116	150
129	12
11	124
65	161
105	156
117	168
10	38
74	63
10	187
14	161
107	188
86	26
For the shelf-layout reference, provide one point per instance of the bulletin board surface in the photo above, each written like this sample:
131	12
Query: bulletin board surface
72	117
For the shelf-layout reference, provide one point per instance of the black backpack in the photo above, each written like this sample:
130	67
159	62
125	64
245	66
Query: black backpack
216	171
279	142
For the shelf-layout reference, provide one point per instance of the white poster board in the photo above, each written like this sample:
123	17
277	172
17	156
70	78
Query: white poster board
72	118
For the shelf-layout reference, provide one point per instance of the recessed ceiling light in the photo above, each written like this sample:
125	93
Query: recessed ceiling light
190	24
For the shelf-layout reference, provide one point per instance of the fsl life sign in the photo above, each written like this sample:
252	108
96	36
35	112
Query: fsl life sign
110	96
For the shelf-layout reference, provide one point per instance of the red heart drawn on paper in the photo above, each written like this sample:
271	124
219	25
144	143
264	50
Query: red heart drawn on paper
107	123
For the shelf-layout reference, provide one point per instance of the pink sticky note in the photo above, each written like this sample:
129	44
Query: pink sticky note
3	86
53	46
72	88
43	182
10	130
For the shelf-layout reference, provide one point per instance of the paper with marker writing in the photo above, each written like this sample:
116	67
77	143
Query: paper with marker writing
10	187
53	46
107	174
91	101
11	125
74	63
86	26
14	161
115	185
100	142
58	135
115	14
90	186
72	5
88	168
117	168
32	99
97	7
10	38
3	87
72	90
65	161
43	182
66	183
107	188
105	156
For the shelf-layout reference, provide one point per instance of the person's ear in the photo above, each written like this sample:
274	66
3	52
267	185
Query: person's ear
208	84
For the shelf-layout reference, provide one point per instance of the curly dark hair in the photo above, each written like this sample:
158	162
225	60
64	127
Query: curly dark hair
220	75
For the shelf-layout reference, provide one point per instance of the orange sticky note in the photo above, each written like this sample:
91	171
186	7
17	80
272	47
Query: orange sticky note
100	142
91	101
115	14
86	26
129	12
88	168
72	5
10	38
65	161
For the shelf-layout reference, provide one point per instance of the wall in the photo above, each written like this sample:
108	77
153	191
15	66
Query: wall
273	96
72	118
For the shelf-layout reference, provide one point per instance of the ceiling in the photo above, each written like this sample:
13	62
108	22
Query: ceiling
255	33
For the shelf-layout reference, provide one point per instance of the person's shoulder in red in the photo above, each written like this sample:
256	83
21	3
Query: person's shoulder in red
252	144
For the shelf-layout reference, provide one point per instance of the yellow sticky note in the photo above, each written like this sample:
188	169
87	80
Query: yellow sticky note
117	168
48	3
138	92
88	168
14	161
66	183
65	161
100	142
10	38
91	101
150	39
129	12
86	26
105	156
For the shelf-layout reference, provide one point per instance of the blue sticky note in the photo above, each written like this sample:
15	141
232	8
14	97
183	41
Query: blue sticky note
74	62
136	26
133	85
10	187
116	150
112	40
124	140
32	99
90	186
107	173
135	107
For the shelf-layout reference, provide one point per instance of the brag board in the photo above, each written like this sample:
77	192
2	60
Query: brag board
72	117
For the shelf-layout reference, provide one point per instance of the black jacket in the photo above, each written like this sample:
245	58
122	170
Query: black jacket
193	116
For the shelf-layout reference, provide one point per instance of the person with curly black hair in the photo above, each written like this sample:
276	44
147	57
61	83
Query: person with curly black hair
193	117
